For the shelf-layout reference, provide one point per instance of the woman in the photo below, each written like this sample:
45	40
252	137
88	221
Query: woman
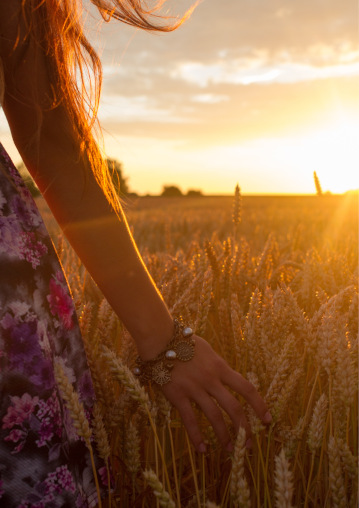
42	459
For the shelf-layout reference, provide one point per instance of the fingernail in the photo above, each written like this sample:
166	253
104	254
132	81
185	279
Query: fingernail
229	447
267	417
202	448
249	443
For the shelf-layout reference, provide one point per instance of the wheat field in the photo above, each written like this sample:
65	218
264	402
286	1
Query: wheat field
272	284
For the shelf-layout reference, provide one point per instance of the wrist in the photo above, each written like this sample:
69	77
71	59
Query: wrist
158	368
151	342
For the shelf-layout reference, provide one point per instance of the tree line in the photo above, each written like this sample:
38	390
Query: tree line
120	182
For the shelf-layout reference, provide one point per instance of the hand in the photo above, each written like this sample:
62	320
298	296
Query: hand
203	379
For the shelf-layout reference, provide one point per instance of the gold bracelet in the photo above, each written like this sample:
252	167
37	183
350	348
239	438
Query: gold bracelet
180	347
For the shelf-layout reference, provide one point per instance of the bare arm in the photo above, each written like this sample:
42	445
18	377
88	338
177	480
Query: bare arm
103	241
99	235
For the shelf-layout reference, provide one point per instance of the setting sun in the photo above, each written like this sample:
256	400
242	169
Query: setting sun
233	99
332	151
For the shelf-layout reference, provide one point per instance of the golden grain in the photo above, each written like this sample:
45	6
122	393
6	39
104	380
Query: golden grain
316	427
132	448
336	480
101	437
75	407
281	303
158	489
283	482
124	376
239	487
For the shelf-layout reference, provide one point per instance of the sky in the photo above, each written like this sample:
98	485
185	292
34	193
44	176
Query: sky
256	92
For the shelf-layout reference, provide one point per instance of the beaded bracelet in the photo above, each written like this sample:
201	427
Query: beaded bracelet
180	347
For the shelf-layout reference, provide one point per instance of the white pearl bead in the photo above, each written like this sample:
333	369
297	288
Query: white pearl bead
170	354
187	332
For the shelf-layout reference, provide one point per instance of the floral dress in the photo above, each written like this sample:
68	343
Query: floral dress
43	461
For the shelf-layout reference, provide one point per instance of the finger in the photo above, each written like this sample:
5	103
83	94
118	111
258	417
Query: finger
190	422
238	383
215	417
232	407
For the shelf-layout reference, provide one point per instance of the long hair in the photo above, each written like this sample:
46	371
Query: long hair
75	70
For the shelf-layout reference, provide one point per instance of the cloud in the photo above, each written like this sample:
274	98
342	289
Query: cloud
137	108
247	112
307	31
235	71
209	98
255	66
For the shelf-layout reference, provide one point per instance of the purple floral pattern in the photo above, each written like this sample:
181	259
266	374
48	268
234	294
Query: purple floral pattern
43	462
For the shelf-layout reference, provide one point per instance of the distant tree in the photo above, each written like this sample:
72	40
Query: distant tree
317	184
193	193
119	180
28	180
171	191
115	167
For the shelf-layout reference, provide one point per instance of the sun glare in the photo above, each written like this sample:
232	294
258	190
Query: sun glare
332	151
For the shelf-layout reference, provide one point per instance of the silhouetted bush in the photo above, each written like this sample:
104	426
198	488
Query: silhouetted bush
171	191
192	193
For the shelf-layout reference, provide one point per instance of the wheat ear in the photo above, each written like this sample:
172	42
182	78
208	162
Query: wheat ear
124	376
238	485
316	427
75	407
101	438
350	462
283	482
159	491
77	413
237	209
132	448
337	489
254	421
